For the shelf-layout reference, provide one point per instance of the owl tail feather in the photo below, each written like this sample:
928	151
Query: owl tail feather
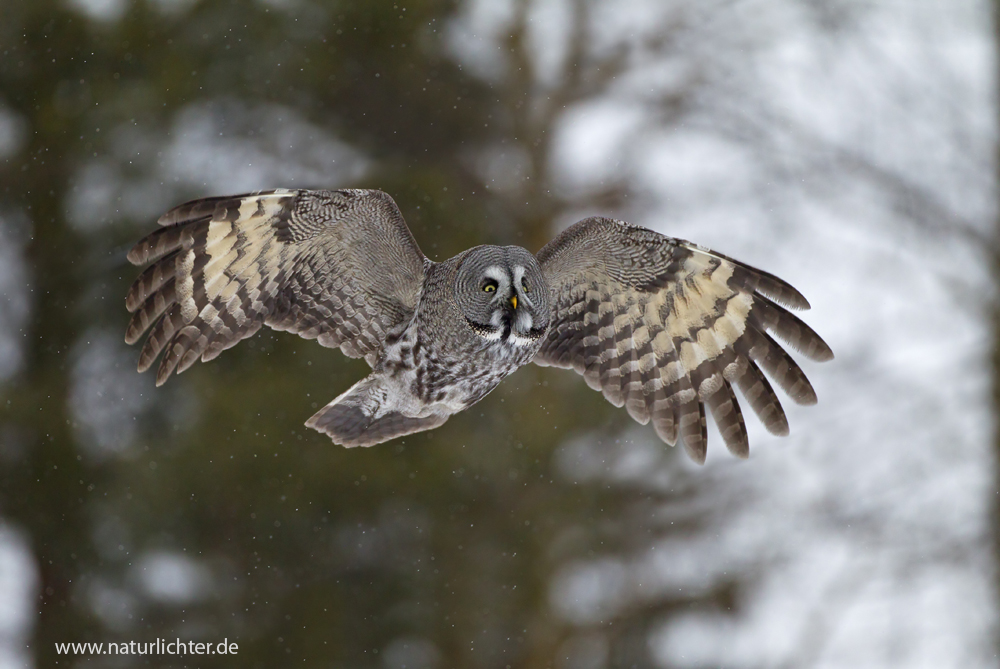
353	418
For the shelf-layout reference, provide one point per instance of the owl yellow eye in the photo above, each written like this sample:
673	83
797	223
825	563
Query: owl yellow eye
489	286
524	285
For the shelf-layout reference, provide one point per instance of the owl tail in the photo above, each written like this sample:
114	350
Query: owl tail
350	420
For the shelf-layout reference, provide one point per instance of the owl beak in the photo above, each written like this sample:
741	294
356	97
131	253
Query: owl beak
513	301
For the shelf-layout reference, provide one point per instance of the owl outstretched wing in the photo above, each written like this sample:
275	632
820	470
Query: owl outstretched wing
665	327
337	266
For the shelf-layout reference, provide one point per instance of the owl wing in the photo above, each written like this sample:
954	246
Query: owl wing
337	266
666	327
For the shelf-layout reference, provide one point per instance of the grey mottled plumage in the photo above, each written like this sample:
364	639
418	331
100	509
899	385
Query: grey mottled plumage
658	325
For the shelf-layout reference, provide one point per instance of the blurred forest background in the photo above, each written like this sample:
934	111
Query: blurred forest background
848	146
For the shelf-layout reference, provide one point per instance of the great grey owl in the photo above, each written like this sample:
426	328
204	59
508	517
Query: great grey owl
657	324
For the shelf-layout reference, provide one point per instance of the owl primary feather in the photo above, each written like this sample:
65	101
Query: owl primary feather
660	326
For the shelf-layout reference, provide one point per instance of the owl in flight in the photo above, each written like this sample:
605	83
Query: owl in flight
657	324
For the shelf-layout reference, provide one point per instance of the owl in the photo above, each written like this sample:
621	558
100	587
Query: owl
658	325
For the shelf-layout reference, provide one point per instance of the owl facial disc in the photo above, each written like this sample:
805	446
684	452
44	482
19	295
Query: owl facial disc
502	294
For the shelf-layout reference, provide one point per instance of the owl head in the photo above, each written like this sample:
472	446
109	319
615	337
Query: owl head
503	294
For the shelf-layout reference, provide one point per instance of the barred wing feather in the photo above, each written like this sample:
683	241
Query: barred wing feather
666	328
337	266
